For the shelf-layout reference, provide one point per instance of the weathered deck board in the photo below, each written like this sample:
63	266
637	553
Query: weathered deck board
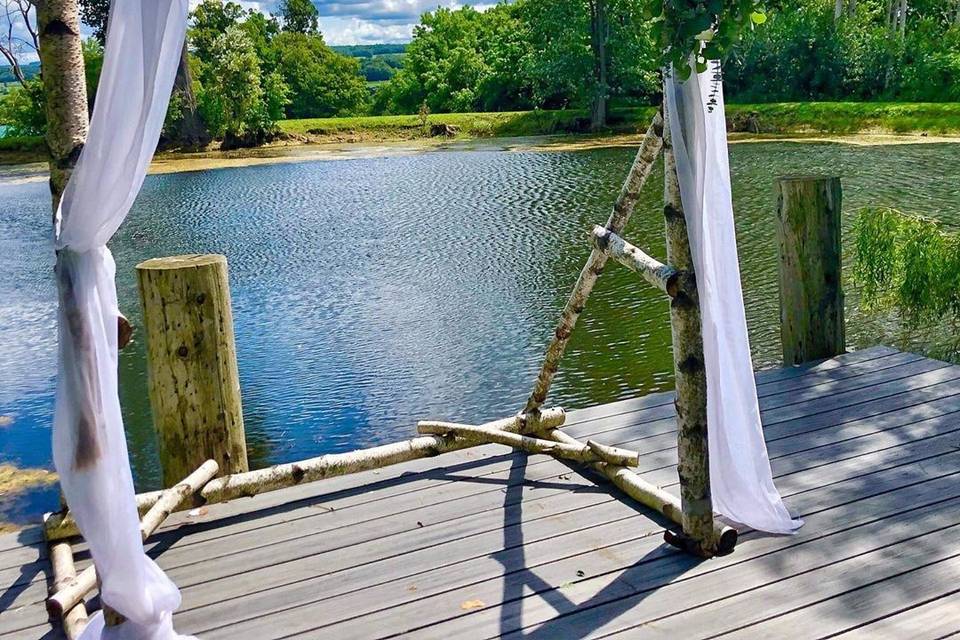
485	542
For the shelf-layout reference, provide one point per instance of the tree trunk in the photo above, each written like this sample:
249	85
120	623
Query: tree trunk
691	381
599	33
191	131
838	6
902	27
65	88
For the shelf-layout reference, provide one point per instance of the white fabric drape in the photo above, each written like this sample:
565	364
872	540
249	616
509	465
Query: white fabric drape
740	476
144	41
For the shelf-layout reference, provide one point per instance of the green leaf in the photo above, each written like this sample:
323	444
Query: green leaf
758	17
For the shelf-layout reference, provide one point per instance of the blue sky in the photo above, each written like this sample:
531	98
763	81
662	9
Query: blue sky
368	21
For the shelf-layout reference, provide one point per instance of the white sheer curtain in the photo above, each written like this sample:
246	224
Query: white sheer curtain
740	477
144	40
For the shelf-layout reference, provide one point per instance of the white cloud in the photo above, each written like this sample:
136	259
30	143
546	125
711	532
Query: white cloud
357	31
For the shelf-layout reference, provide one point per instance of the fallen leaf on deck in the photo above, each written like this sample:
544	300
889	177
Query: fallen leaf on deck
467	605
196	513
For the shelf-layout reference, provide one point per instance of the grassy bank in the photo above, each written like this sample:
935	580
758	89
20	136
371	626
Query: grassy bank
772	119
778	119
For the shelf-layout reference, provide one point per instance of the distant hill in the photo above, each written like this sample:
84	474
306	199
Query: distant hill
29	70
369	50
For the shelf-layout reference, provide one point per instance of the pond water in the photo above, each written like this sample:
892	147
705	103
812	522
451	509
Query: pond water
370	293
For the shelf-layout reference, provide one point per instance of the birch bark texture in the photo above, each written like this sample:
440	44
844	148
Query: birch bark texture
65	89
693	453
144	40
741	482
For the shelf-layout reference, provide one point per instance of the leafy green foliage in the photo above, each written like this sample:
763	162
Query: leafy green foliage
22	110
807	54
462	60
299	16
908	263
369	50
237	100
296	74
702	30
322	82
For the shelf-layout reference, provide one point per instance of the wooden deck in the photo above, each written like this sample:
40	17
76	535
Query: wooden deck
487	543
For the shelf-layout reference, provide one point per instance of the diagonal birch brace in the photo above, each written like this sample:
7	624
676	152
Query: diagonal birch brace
72	593
622	210
589	452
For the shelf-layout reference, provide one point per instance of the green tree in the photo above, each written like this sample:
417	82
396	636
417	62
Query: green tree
321	82
237	100
462	60
299	16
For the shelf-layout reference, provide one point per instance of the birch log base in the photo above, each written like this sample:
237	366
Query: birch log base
280	476
74	620
689	368
194	381
72	593
589	452
659	500
622	210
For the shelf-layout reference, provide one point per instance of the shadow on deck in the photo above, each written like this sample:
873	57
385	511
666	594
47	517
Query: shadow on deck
486	543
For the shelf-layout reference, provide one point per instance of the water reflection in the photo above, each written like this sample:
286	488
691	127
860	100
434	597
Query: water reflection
371	293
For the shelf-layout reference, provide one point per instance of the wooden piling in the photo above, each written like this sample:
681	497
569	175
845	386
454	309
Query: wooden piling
811	293
193	376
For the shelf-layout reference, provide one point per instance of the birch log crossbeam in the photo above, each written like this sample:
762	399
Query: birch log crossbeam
72	593
662	276
651	495
280	476
589	452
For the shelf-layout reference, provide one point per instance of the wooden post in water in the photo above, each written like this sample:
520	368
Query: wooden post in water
811	293
193	376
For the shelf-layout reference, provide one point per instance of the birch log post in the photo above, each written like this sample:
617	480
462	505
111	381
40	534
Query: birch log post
194	381
280	476
809	250
64	88
689	369
73	592
589	452
73	620
622	210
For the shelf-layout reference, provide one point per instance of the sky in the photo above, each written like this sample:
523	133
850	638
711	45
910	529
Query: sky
367	21
351	21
